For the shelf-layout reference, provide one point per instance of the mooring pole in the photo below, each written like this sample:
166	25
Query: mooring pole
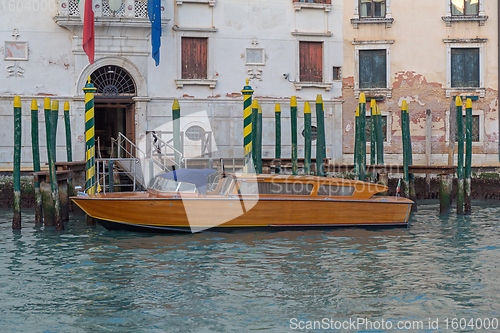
380	138
468	156
293	121
373	129
247	126
356	142
406	176
255	111
35	148
413	195
16	220
460	158
259	140
53	126
277	145
55	204
320	136
90	183
361	147
307	138
176	118
69	154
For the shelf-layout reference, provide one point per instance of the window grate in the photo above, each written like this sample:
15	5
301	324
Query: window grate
141	8
368	128
107	12
113	81
73	8
475	129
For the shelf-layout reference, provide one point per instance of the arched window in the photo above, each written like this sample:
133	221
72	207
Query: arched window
112	82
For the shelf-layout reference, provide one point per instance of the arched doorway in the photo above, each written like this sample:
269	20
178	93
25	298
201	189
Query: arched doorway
113	106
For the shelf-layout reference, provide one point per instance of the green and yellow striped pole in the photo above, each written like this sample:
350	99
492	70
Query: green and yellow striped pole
307	138
320	136
293	121
277	145
460	158
247	125
255	111
35	147
16	220
176	117
53	126
373	136
468	155
90	183
53	203
258	153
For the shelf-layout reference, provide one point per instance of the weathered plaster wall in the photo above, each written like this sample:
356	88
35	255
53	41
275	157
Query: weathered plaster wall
418	75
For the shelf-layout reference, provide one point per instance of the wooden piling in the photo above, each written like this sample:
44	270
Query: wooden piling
35	148
53	126
293	121
380	137
360	166
16	204
373	136
277	145
90	184
307	138
247	125
176	115
52	203
255	111
406	176
258	165
428	149
320	136
444	194
468	156
460	157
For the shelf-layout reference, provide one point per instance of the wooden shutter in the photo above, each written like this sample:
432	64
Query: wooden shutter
311	61
194	58
464	67
372	69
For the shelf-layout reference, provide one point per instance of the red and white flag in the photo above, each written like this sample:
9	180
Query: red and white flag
399	186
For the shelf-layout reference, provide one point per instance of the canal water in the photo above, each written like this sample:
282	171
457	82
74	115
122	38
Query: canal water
87	279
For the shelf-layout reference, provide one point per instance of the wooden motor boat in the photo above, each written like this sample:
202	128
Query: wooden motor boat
183	201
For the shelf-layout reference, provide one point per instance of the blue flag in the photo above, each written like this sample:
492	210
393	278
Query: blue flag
154	12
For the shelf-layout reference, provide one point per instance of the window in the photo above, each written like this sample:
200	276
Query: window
475	128
311	61
464	67
464	7
372	8
314	131
194	58
195	133
372	69
335	190
337	73
368	128
275	188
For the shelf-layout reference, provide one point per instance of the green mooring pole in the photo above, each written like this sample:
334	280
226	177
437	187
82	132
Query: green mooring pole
409	156
259	141
69	153
356	142
16	220
176	118
53	126
406	176
468	156
56	206
307	138
373	136
255	111
247	126
36	160
460	158
293	121
320	136
277	145
361	148
380	138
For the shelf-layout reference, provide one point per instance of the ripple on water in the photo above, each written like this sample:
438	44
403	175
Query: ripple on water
89	279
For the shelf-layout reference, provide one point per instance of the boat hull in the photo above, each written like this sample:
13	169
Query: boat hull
149	213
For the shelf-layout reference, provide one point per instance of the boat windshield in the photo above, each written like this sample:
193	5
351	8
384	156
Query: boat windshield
169	185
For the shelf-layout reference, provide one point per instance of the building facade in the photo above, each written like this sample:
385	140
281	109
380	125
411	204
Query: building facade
208	49
425	52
